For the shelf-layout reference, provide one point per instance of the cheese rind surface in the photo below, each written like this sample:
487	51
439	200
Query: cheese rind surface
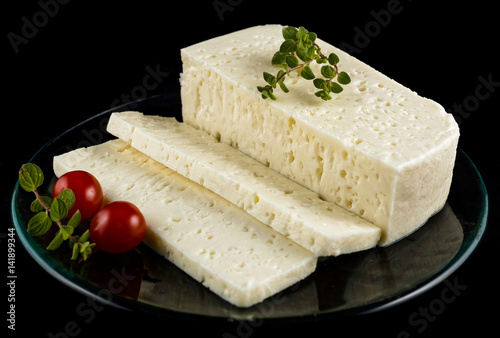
215	242
300	214
377	148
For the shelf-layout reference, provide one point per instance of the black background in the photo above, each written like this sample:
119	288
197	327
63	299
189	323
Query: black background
87	55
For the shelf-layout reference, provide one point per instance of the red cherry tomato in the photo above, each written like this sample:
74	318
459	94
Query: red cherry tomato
87	190
118	227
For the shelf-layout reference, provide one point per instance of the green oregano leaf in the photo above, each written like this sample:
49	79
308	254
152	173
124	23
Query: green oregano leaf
84	246
307	73
312	36
268	93
290	33
278	58
37	206
292	61
283	86
322	59
302	33
68	197
271	79
84	237
311	51
335	88
288	46
87	249
49	211
296	53
30	177
39	224
58	210
344	78
302	54
333	59
75	219
57	241
320	83
66	231
327	71
323	94
76	251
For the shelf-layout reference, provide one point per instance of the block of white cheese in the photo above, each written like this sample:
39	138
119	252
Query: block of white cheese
378	149
218	244
291	209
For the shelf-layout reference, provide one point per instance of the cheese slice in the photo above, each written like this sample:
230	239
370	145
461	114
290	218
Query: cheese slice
377	148
300	214
215	242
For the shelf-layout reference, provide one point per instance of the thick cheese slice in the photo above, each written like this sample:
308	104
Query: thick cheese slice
212	240
291	209
377	148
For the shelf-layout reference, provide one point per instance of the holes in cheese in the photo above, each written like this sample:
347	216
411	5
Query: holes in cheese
410	141
233	254
291	209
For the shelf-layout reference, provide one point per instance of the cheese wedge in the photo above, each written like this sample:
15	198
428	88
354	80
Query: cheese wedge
218	244
377	148
300	214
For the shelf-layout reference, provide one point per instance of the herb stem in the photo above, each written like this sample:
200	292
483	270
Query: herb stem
300	44
47	208
30	178
334	74
302	65
39	198
295	68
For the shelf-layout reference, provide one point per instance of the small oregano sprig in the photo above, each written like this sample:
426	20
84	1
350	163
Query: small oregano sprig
300	44
56	210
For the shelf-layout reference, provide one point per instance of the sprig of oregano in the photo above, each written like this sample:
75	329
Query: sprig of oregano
48	211
300	44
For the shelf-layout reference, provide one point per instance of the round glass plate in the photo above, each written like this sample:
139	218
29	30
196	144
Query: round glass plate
362	282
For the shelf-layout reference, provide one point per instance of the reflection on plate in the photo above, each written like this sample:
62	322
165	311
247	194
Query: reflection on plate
372	280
